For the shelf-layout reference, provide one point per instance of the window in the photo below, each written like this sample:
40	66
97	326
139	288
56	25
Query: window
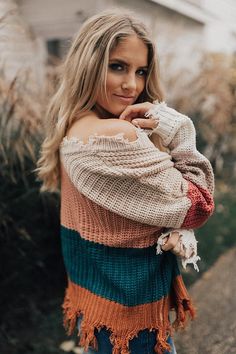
57	48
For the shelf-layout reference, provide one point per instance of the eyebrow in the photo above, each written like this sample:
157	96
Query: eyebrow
120	61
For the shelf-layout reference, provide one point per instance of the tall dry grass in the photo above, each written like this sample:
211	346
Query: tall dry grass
209	97
30	260
22	112
20	129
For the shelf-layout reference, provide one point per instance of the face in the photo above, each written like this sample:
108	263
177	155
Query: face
126	77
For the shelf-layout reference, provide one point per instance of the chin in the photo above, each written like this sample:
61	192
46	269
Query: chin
115	110
119	110
116	113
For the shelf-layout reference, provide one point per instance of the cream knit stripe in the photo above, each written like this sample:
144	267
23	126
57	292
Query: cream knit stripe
127	197
178	133
135	179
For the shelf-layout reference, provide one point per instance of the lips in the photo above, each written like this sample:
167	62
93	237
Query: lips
125	99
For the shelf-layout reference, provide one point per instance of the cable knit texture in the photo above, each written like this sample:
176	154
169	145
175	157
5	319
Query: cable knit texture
117	197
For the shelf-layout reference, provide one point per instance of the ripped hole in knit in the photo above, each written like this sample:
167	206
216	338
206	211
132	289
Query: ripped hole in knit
94	138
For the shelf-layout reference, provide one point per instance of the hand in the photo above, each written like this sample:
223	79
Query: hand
173	244
179	250
133	113
182	243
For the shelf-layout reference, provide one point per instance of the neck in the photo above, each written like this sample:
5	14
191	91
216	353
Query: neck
102	113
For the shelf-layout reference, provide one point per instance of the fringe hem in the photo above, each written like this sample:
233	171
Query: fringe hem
120	343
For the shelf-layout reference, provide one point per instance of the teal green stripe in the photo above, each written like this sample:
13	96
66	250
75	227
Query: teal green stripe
129	276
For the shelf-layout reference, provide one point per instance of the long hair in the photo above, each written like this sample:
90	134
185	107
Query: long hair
83	76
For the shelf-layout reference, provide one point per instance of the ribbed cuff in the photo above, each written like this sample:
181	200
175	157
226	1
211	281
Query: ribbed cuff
169	121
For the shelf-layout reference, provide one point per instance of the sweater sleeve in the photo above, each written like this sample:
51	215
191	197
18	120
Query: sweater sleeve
137	181
178	134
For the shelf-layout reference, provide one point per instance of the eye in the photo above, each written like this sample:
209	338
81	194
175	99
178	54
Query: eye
142	72
116	67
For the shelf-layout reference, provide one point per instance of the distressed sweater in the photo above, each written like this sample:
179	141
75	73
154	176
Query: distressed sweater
117	197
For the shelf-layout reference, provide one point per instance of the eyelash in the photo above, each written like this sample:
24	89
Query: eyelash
120	67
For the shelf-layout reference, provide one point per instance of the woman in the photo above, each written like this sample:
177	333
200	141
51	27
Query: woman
119	191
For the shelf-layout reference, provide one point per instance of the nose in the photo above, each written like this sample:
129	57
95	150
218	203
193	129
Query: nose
130	82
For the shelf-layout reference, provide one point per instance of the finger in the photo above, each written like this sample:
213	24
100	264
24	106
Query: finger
135	110
145	123
172	241
189	252
178	249
164	240
131	112
130	115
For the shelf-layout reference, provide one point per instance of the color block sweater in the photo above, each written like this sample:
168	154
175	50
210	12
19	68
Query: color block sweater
117	197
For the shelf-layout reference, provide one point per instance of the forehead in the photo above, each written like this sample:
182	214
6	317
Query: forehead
131	49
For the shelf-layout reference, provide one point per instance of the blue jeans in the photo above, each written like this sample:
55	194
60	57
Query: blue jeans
143	344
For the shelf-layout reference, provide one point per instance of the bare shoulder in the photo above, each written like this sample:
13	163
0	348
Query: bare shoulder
81	126
89	125
112	127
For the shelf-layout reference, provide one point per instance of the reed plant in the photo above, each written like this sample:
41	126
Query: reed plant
208	96
31	269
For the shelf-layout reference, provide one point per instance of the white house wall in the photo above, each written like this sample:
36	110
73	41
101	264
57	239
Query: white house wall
52	19
176	35
220	33
180	39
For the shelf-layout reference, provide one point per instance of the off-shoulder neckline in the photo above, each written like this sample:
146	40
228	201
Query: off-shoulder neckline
108	142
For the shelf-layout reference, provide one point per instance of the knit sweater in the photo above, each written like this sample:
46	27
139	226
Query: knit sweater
117	197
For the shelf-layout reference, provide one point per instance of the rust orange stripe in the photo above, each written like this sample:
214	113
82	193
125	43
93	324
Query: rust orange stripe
202	207
124	322
94	223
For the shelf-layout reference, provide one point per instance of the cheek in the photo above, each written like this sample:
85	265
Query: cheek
113	82
141	85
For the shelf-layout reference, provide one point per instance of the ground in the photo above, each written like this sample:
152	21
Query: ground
214	330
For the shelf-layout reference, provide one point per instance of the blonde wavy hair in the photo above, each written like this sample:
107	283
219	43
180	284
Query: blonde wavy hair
83	76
